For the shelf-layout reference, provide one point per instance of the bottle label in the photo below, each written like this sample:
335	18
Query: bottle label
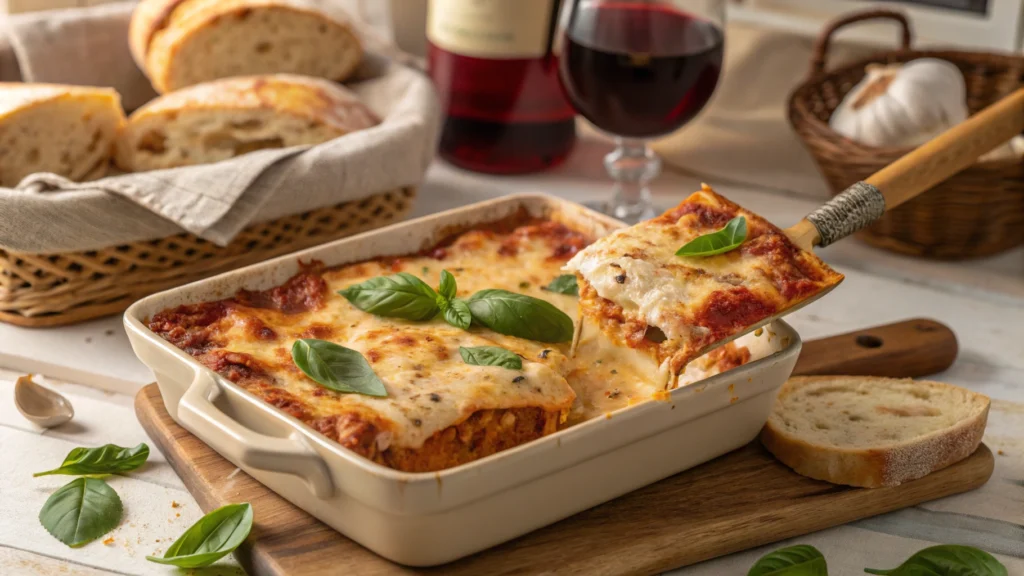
491	28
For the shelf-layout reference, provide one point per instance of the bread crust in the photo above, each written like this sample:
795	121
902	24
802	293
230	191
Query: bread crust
324	106
873	467
160	29
67	130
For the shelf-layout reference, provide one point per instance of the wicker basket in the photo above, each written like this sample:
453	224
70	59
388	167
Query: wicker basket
978	212
57	289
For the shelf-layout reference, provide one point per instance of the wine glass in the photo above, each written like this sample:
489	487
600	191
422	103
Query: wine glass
638	69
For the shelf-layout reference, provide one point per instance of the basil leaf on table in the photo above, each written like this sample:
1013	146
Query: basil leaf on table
400	295
520	315
456	312
728	238
336	367
81	511
801	560
491	356
564	284
109	459
213	537
947	560
447	288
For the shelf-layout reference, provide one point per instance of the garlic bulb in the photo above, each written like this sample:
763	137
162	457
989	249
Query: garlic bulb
903	105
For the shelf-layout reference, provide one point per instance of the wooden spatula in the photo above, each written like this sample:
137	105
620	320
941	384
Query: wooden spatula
933	162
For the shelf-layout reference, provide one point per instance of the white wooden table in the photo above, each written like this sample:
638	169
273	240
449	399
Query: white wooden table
983	301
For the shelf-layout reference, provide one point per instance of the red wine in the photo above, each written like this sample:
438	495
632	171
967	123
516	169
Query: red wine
639	70
497	76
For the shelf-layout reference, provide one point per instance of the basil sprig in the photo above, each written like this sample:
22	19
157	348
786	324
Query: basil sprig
491	356
81	511
728	238
109	459
564	284
405	296
801	560
400	295
453	310
336	367
213	537
947	560
520	315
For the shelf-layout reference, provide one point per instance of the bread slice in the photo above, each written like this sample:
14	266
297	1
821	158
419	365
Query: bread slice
225	118
179	43
66	130
873	432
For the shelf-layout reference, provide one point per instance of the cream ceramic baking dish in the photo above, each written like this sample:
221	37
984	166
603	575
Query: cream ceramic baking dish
425	519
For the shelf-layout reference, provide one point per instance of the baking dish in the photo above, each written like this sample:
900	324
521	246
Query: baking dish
425	519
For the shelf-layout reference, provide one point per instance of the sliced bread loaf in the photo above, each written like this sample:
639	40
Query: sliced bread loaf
872	432
222	119
66	130
179	43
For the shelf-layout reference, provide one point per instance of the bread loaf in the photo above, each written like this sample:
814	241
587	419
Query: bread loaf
218	120
179	43
873	432
66	130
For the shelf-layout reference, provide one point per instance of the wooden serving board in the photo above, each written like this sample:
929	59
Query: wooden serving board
741	500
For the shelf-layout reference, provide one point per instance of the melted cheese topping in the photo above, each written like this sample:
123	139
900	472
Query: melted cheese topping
694	301
430	388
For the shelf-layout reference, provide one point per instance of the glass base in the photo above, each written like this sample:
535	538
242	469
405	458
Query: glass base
628	214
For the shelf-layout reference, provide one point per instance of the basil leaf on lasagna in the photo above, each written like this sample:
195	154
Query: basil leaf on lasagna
400	295
728	238
520	315
564	284
491	356
447	288
336	367
456	312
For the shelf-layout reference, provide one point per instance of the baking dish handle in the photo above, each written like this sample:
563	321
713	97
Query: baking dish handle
224	434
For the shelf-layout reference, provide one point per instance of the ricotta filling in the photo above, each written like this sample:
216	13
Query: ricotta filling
645	291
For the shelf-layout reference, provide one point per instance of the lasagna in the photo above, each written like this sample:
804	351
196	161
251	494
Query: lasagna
439	410
672	308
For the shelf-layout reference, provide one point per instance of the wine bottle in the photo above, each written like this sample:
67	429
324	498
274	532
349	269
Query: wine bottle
497	74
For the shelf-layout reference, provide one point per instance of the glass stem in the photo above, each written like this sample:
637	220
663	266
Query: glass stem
632	165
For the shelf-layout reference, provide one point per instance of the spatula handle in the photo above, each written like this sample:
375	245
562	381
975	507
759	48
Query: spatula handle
915	172
907	349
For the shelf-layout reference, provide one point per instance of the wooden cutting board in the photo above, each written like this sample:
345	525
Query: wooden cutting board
741	500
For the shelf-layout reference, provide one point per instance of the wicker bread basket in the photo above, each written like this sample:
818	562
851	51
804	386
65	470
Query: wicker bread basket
978	212
58	289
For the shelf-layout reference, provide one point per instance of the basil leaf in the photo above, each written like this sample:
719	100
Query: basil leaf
109	459
447	288
947	560
520	315
801	560
400	295
491	356
456	312
213	537
564	284
81	511
724	240
336	367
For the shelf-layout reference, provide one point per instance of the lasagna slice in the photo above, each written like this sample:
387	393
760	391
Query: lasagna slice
675	308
